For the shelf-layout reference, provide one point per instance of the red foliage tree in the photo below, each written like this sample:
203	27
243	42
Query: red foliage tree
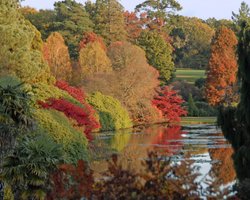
91	37
72	182
222	68
169	103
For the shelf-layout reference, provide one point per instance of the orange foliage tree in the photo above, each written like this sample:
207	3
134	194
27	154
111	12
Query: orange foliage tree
222	69
56	53
134	24
132	81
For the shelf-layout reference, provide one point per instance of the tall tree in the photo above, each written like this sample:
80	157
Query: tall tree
158	52
56	53
72	21
244	14
93	59
43	20
109	20
222	69
134	25
20	52
158	11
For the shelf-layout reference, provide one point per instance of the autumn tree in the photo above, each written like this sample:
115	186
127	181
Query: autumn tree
20	42
126	82
109	20
72	21
158	52
170	104
90	37
93	59
222	69
158	11
55	52
134	25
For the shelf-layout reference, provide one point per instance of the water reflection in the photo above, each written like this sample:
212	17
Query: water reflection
202	147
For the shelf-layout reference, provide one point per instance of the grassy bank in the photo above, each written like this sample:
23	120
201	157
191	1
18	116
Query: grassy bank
189	75
198	120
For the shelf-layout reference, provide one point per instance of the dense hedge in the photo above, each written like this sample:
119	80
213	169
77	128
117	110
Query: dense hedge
61	129
112	115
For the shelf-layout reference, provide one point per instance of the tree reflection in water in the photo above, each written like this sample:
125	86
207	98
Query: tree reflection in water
144	166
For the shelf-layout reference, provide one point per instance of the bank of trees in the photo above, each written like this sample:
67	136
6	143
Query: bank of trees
121	63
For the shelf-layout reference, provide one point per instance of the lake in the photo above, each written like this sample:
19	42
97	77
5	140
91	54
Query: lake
197	159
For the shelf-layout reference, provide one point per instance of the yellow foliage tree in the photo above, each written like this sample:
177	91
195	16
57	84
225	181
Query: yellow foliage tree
56	53
93	59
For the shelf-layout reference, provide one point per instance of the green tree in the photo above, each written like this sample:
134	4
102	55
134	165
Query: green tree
93	59
43	20
72	21
215	23
158	11
235	121
109	20
192	39
158	53
192	108
244	14
20	42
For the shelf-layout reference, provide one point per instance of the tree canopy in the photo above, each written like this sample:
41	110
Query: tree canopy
158	52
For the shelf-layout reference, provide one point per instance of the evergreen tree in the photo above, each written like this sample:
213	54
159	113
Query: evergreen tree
244	14
235	122
109	20
72	21
158	52
192	108
20	52
43	20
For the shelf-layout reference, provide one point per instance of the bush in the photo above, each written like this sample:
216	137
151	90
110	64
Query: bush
62	131
111	113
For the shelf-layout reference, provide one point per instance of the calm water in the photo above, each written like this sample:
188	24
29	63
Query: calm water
202	146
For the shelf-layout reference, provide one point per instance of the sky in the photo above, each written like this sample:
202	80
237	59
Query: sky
204	9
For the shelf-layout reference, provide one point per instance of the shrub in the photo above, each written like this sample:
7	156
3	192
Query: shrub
80	115
112	115
61	130
170	104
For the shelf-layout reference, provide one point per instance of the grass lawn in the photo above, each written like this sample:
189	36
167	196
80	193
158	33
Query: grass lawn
189	75
198	120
